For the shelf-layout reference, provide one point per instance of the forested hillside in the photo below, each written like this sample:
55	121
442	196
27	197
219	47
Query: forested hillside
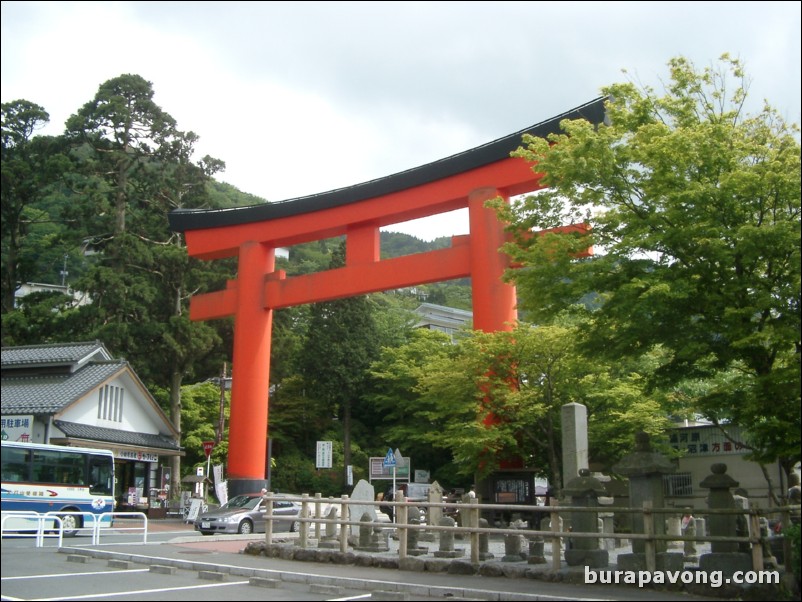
88	210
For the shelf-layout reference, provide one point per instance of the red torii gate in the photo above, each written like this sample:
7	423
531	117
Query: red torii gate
254	233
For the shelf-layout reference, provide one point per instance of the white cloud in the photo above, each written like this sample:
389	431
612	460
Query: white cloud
303	97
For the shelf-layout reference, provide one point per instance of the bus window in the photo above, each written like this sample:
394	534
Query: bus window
100	475
15	465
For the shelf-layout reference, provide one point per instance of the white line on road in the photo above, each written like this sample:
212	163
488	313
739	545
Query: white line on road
141	591
56	575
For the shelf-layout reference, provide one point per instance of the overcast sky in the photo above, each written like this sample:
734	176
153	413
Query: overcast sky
303	97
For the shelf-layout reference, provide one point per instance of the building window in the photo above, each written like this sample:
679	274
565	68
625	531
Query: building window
677	485
110	403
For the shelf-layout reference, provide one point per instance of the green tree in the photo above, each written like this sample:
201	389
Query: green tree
126	132
340	345
133	166
29	167
694	208
400	406
496	397
200	412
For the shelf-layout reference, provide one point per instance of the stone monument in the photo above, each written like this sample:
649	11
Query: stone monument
413	536
574	439
724	555
645	469
447	549
329	539
363	492
584	491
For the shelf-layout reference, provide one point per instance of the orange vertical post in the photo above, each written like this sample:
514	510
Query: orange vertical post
251	370
494	302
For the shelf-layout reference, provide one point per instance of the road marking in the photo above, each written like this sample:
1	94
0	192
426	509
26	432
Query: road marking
56	575
141	591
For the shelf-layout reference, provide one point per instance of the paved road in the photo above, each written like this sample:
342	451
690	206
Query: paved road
177	564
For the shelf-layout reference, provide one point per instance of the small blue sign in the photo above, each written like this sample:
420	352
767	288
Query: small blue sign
389	459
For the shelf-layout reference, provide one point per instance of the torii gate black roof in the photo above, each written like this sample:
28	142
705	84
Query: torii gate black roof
182	220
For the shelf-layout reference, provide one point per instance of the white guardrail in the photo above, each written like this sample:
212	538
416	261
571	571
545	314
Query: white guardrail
51	525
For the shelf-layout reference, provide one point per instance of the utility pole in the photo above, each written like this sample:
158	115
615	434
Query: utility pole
221	425
64	272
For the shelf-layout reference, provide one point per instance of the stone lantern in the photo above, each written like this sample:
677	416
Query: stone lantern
584	492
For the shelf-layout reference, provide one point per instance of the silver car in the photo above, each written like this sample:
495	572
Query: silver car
246	514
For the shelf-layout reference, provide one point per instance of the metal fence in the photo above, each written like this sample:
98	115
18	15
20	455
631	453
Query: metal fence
50	525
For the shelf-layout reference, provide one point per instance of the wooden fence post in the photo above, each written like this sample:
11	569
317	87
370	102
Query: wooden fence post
648	530
268	496
304	535
556	548
344	528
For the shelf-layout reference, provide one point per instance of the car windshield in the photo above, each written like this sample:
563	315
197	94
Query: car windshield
242	501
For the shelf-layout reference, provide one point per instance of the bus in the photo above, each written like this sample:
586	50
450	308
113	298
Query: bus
42	478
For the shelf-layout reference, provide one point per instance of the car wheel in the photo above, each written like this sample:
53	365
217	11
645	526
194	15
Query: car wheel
70	524
245	527
295	526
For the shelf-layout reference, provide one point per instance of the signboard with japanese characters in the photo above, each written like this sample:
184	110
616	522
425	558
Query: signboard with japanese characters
323	454
708	441
17	428
139	456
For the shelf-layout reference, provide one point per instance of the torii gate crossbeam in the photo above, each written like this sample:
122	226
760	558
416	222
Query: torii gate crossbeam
253	233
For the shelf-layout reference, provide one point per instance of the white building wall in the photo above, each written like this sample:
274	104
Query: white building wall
137	416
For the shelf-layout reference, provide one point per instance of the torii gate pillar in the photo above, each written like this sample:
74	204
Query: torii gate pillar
250	374
493	299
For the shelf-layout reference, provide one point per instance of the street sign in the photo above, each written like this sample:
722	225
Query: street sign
208	446
389	459
323	454
378	471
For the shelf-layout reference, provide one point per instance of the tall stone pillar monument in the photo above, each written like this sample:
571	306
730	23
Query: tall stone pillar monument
575	440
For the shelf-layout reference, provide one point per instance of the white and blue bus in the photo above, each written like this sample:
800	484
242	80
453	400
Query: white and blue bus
44	478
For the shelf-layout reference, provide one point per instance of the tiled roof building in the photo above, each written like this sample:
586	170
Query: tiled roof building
77	394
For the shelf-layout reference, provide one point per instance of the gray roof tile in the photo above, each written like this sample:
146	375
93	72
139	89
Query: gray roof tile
96	433
54	354
50	393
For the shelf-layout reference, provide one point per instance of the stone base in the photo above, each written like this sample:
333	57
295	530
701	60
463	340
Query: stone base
726	562
664	561
417	551
594	559
511	558
486	556
374	548
329	544
451	554
536	560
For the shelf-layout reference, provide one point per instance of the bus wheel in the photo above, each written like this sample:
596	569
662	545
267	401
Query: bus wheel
70	524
